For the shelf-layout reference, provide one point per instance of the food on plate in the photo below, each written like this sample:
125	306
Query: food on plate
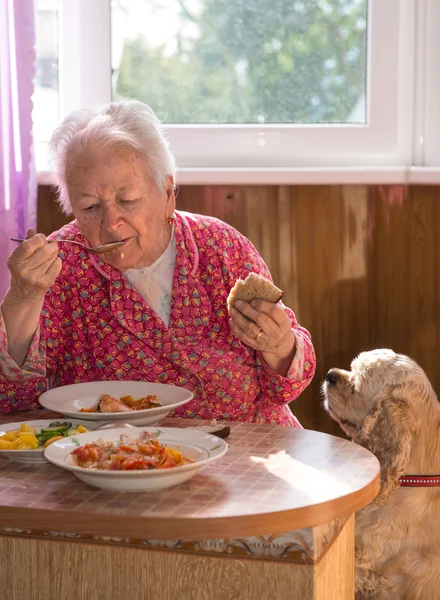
252	288
52	440
27	438
107	404
129	454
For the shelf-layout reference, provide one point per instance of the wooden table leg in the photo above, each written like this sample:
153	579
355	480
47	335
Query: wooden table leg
334	574
41	569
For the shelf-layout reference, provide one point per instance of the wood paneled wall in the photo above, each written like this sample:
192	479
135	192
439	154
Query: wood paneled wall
359	265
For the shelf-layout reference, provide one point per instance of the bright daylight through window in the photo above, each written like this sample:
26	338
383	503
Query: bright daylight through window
46	108
252	91
247	61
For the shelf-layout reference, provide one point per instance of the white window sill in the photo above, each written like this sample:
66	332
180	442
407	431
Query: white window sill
300	176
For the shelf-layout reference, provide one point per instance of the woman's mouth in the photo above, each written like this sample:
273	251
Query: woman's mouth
123	240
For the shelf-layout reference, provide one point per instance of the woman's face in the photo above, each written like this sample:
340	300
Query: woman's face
115	198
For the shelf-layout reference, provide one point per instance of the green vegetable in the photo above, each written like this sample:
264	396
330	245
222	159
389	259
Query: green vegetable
58	426
43	436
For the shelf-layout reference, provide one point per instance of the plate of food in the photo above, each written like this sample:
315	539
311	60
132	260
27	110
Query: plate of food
144	459
25	441
136	402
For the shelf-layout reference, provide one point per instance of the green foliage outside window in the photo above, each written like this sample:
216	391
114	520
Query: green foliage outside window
253	61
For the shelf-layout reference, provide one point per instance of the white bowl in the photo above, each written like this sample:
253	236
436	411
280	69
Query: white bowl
69	399
201	447
35	456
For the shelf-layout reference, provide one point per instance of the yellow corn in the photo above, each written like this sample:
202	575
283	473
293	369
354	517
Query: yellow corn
29	440
10	436
25	428
18	444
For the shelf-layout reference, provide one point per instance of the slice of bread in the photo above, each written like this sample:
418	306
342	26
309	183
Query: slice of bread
253	287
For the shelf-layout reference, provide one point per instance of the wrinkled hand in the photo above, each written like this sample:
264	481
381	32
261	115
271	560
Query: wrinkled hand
269	329
34	266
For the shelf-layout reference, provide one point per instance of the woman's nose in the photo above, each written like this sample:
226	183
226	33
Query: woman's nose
111	217
332	377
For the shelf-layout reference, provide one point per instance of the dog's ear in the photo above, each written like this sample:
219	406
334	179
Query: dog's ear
388	433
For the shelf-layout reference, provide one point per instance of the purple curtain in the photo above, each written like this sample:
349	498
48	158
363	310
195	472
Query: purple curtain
18	183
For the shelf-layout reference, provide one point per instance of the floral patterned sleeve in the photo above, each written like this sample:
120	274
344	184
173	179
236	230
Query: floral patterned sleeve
302	368
20	386
303	355
34	364
300	372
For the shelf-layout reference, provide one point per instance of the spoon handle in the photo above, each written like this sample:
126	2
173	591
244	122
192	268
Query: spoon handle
20	240
110	247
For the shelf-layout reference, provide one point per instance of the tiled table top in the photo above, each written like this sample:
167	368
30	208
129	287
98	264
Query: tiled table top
272	479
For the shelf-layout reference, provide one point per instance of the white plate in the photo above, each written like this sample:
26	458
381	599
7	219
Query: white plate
69	399
201	447
36	456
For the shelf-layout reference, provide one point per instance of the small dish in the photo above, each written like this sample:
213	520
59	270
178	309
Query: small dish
36	456
202	448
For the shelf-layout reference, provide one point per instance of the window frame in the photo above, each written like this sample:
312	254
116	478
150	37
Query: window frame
386	149
426	144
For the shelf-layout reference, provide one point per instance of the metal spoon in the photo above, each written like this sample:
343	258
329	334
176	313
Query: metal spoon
110	247
114	425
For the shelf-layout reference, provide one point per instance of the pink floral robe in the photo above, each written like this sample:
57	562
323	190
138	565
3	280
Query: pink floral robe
95	326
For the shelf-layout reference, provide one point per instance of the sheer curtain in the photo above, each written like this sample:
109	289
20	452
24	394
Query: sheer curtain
18	186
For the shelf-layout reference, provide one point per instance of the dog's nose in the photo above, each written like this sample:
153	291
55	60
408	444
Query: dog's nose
332	377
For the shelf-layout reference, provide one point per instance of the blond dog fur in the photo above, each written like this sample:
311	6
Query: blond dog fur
387	405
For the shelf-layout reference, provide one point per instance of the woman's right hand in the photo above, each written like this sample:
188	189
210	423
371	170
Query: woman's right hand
34	266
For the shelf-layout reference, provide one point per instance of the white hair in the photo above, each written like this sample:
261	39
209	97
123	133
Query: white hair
129	123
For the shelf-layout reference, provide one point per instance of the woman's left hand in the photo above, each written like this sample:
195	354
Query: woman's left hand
269	330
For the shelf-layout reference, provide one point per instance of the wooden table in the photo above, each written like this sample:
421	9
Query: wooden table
273	519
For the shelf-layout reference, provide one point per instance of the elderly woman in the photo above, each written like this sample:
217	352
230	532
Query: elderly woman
154	310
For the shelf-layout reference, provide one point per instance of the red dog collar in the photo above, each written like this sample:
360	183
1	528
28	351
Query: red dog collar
420	481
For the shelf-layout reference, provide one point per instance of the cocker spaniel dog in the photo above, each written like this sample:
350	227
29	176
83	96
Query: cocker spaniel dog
386	404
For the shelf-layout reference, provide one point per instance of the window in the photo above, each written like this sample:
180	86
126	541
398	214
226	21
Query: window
46	102
263	91
242	62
